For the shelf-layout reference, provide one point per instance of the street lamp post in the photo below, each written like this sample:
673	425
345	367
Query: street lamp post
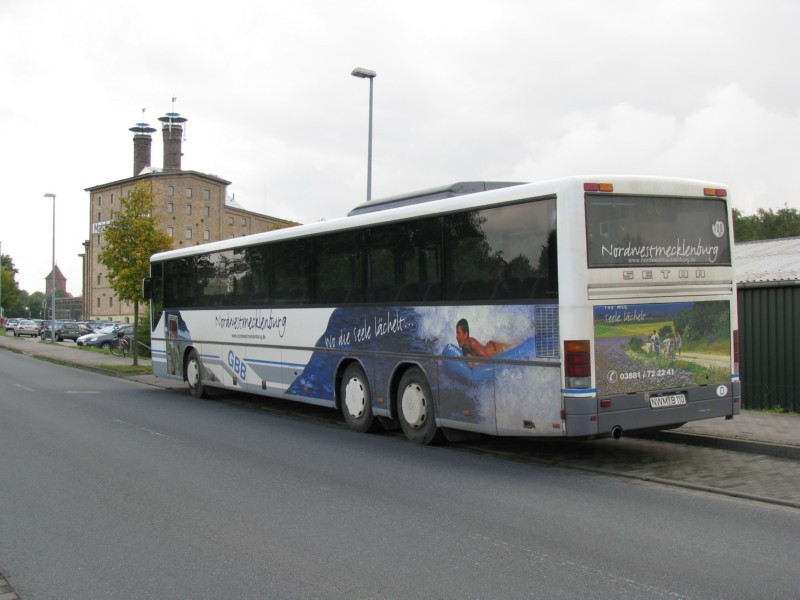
53	273
368	74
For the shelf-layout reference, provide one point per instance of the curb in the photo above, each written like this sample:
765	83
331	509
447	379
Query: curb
720	443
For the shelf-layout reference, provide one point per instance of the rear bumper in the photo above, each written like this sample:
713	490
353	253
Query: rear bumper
631	412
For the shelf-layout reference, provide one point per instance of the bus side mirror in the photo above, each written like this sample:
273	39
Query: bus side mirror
147	288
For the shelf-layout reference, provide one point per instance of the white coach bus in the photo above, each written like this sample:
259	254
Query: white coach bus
580	307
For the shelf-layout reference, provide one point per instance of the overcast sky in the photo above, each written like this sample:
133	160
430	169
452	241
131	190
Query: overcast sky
466	90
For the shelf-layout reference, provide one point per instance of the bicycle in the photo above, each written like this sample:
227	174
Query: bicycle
119	347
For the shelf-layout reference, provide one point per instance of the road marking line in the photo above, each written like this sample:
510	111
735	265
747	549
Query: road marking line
139	427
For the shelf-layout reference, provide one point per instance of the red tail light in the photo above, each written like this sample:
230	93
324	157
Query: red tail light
577	364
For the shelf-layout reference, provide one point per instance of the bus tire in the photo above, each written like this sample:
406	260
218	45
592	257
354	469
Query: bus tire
415	408
193	375
356	400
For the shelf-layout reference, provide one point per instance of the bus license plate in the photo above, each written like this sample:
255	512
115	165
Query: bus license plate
669	400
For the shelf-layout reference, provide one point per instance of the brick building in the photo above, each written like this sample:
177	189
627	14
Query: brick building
193	207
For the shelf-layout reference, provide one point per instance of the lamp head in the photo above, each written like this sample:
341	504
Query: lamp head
363	73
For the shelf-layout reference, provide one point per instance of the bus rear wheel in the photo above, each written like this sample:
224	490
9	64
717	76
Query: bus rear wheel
356	400
415	408
193	375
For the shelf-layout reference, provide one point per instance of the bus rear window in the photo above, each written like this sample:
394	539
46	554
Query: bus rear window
623	231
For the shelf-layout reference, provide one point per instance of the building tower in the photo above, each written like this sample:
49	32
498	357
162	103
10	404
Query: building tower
142	144
191	207
172	130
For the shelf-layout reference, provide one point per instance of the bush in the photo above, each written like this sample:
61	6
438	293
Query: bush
636	344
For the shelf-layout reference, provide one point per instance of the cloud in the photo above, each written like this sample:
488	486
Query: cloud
467	90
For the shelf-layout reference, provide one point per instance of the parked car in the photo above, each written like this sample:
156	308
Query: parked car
85	327
65	330
26	327
11	324
88	337
104	337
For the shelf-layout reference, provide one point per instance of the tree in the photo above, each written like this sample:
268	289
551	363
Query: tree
35	302
8	286
131	238
766	224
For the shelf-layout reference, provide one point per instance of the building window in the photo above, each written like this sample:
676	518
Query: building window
207	211
206	235
244	221
188	233
230	236
111	302
112	214
188	209
206	194
98	302
99	201
169	207
230	220
99	216
98	280
170	190
112	198
170	232
188	192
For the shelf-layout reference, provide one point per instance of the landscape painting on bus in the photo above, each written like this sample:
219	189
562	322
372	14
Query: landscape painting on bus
645	347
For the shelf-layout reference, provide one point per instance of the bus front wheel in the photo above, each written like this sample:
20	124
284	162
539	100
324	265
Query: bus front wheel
194	375
357	401
415	408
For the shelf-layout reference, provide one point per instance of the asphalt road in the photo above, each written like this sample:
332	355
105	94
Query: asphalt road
112	489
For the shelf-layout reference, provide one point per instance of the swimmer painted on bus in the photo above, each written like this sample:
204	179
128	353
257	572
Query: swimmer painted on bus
472	347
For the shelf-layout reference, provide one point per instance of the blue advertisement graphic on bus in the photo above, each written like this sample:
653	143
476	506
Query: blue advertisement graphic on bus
472	354
645	347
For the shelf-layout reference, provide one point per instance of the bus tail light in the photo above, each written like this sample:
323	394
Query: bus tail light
577	362
598	187
735	350
719	192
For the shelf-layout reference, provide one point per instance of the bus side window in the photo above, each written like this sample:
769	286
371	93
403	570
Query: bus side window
473	268
339	273
381	264
291	277
403	261
502	253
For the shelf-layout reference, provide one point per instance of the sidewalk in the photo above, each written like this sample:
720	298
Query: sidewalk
771	434
751	431
68	352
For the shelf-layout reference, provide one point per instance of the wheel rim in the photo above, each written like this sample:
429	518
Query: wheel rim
355	397
193	373
414	405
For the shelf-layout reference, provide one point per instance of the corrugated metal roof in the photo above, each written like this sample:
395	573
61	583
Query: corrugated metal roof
768	260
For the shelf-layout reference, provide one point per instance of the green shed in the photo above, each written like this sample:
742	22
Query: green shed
768	283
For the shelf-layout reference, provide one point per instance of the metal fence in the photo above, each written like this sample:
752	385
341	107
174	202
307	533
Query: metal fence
769	345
